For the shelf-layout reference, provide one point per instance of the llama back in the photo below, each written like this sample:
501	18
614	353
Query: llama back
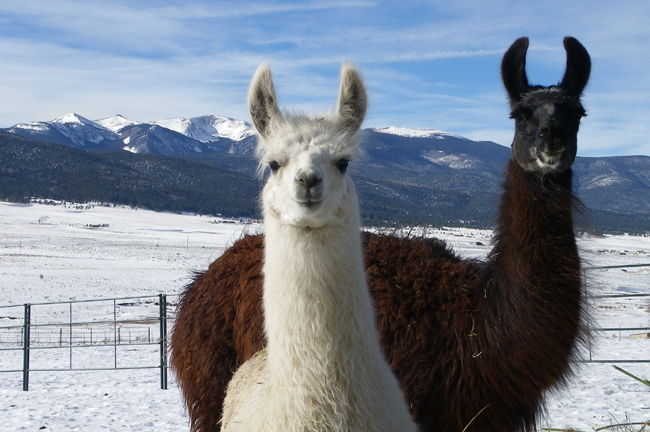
249	383
245	386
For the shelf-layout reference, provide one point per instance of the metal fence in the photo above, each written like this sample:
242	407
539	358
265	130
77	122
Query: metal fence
619	329
645	331
134	321
116	323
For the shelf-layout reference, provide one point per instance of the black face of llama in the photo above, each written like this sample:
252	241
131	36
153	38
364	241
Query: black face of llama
547	118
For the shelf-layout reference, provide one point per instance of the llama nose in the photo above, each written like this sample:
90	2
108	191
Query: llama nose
309	178
556	145
553	134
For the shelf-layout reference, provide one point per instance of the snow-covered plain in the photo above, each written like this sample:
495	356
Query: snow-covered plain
50	254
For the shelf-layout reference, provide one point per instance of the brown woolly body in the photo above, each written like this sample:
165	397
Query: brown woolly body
470	342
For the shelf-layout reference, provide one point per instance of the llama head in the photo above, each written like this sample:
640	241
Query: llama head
308	156
547	118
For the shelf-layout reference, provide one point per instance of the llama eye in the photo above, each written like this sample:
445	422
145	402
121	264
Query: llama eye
517	117
274	166
520	114
342	165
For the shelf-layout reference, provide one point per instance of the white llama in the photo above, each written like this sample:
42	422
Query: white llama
323	369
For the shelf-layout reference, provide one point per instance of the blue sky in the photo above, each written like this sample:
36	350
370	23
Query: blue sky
427	64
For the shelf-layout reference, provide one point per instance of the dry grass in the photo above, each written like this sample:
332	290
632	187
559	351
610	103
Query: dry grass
616	426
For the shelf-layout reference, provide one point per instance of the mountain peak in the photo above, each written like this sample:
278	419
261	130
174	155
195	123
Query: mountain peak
209	127
417	133
73	118
72	129
116	122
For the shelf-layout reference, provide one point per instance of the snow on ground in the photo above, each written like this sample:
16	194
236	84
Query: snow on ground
57	254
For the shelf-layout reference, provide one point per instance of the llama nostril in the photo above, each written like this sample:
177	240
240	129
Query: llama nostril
309	179
556	145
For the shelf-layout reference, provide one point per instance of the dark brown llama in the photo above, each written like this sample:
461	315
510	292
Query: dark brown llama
471	342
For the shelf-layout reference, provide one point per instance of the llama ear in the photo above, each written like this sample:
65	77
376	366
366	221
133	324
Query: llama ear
513	70
262	102
353	101
578	67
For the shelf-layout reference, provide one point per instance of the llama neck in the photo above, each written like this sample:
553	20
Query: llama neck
316	302
536	215
535	253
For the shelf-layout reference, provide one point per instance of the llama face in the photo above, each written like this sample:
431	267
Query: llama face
546	130
308	186
546	118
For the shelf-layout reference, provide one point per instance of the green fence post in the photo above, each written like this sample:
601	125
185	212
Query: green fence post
162	301
26	323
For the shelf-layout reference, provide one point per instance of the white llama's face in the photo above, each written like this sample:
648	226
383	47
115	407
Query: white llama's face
308	156
308	185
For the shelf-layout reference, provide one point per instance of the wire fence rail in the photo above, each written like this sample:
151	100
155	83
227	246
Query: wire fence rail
127	322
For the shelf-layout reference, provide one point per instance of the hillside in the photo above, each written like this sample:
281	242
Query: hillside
31	168
405	176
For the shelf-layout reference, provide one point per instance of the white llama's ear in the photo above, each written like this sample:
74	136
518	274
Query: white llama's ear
353	101
262	102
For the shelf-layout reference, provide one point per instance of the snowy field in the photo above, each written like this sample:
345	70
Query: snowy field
58	254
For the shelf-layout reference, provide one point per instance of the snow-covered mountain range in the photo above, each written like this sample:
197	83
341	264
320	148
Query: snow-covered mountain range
208	127
168	137
71	129
397	162
173	136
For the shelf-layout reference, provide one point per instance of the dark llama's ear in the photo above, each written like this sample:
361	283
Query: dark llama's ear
353	101
513	70
262	102
578	67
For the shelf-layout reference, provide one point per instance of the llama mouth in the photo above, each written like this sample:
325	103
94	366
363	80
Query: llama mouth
549	160
312	205
308	202
309	199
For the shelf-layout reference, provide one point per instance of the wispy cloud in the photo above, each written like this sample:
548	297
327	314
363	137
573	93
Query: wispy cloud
420	56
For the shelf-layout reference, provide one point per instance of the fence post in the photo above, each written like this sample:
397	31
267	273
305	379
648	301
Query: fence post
162	301
115	331
70	335
26	323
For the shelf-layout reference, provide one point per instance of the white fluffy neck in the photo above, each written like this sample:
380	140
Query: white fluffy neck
324	369
316	301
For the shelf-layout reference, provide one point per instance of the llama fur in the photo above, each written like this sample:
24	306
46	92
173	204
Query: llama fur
323	368
475	343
